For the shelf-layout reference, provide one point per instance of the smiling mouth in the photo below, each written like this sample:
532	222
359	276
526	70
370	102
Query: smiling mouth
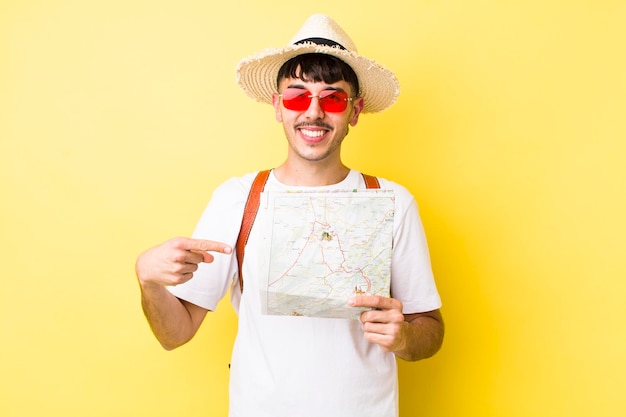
313	134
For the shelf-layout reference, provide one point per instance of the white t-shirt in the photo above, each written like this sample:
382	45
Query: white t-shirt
303	366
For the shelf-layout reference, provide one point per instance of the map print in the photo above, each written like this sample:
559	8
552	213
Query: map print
324	248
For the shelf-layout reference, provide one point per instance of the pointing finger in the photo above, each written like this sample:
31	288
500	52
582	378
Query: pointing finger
200	245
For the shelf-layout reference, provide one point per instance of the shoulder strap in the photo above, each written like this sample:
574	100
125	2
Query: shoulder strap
249	214
370	181
252	207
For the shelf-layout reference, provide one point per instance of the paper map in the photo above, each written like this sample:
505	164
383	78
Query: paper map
325	247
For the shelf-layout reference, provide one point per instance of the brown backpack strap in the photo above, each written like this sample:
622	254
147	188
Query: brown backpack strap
370	181
249	214
252	207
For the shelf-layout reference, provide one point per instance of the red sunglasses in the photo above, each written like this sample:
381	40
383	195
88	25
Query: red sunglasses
299	99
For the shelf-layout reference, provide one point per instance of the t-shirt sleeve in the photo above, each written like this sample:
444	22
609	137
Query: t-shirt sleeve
412	280
220	222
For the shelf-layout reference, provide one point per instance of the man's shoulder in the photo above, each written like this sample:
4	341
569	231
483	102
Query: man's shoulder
398	188
237	185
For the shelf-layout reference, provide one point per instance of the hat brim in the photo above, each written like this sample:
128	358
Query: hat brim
256	74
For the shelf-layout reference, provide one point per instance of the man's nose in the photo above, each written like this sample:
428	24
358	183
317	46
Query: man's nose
315	110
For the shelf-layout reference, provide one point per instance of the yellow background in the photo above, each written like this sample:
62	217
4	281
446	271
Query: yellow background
118	119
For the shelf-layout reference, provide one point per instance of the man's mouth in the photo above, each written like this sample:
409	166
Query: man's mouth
313	133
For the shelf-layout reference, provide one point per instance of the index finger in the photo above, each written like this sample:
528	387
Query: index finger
373	301
203	245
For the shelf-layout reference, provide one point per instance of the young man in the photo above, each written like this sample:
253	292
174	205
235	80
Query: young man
302	366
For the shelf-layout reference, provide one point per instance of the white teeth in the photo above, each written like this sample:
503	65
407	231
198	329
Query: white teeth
312	133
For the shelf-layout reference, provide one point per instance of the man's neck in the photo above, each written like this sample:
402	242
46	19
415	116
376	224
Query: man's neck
311	175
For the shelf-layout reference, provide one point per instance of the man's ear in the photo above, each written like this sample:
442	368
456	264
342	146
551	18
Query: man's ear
277	110
357	108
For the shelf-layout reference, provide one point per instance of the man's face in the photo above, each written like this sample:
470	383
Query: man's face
313	133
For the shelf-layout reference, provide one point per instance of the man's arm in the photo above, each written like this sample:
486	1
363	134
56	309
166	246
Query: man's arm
411	337
421	336
173	321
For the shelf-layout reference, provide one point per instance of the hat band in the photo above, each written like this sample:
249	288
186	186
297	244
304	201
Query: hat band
321	41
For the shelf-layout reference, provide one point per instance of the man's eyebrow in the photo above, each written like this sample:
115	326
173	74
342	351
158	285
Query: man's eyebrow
299	86
334	88
302	87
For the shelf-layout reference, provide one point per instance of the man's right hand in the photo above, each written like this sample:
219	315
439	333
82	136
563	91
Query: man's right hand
174	261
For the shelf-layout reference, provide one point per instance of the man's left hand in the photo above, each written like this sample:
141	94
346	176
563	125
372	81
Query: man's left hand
384	323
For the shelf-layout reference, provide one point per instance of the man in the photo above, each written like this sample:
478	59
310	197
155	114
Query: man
302	366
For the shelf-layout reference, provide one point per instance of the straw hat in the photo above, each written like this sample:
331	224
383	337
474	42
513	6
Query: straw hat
257	74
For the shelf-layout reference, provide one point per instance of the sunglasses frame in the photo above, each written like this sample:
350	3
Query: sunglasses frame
322	99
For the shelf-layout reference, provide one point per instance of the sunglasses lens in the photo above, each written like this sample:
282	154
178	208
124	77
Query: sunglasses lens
299	99
296	99
333	101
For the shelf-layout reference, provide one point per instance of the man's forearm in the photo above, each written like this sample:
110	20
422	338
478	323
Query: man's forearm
421	336
168	317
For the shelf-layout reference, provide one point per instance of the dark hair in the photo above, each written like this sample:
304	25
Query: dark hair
319	68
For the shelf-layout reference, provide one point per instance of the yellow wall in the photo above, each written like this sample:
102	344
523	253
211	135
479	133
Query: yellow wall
118	118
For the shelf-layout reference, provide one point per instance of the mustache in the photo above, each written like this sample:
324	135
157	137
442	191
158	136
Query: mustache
313	124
